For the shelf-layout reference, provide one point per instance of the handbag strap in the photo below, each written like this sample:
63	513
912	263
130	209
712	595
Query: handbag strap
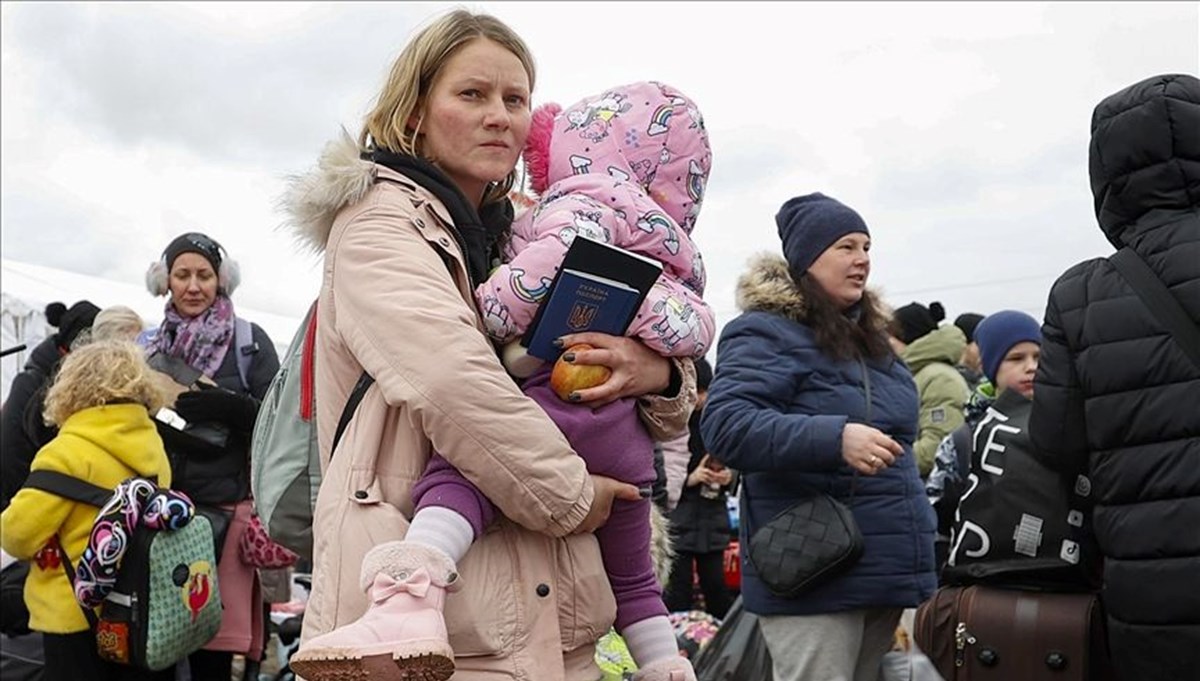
866	375
1165	308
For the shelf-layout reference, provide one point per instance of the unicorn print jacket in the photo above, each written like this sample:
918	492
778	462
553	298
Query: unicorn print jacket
627	168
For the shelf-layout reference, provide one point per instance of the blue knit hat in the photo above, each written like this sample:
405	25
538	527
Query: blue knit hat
998	332
809	224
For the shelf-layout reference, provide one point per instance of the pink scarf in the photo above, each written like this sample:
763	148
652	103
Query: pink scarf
201	341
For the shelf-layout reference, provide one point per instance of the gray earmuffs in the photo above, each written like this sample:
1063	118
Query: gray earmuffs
229	273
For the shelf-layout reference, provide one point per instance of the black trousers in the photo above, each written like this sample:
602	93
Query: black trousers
710	567
73	657
211	665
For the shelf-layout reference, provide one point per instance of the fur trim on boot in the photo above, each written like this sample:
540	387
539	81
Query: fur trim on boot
399	559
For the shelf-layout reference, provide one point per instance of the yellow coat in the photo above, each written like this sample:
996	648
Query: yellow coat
104	446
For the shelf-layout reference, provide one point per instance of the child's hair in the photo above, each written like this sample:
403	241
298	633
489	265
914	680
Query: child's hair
99	373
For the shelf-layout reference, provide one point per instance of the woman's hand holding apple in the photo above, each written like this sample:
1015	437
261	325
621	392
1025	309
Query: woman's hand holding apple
636	369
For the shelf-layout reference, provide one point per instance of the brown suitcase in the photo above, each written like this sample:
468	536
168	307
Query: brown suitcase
978	632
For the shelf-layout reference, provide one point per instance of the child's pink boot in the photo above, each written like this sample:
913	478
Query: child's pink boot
666	669
402	636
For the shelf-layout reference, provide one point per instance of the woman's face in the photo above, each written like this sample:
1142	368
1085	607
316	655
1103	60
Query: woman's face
193	284
476	116
1018	367
842	269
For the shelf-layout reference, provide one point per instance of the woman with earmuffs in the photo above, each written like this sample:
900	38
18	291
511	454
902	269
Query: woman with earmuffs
227	365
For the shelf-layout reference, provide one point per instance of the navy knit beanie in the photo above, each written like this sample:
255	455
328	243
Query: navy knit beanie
810	224
998	332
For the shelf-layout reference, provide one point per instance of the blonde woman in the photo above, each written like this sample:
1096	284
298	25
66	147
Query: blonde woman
410	218
101	401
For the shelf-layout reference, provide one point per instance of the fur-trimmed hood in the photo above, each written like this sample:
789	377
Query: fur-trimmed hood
767	286
312	199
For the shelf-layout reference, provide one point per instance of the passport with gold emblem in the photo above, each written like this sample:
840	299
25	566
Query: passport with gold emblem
598	288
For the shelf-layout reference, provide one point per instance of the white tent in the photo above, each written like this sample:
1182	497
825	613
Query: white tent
27	289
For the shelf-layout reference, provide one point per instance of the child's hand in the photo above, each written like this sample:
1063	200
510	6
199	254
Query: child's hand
636	369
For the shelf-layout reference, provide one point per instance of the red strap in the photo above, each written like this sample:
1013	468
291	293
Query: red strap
307	380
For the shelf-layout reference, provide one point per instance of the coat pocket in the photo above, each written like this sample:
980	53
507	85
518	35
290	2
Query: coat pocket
482	617
586	606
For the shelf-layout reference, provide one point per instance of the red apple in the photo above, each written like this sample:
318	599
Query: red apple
566	378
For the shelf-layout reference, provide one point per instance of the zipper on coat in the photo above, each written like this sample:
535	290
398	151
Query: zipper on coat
962	637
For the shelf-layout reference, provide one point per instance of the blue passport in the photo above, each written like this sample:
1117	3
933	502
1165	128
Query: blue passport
598	288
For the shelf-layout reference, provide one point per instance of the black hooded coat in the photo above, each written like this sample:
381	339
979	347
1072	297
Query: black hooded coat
1117	396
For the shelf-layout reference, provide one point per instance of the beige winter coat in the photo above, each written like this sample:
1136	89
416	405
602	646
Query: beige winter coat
389	305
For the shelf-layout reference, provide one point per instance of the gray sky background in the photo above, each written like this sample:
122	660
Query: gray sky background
958	130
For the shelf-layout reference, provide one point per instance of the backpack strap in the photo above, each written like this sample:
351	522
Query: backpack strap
1157	297
246	348
70	487
356	395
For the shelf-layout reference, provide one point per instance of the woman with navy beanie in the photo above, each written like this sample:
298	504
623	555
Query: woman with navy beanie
809	395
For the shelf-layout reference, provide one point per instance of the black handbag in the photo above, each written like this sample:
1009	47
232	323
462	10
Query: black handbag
811	541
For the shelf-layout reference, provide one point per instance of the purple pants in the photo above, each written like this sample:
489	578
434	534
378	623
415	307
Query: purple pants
613	442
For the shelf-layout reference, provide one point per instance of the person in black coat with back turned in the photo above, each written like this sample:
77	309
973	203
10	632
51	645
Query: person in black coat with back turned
700	522
23	431
1117	395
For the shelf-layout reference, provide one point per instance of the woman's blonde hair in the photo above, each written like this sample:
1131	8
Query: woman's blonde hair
416	69
98	373
117	322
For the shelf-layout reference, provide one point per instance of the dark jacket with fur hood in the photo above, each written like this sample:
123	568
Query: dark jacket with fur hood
775	412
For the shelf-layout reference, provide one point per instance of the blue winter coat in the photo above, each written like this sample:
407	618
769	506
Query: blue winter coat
775	412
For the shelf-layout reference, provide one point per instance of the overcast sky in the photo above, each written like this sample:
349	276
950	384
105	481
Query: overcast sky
958	130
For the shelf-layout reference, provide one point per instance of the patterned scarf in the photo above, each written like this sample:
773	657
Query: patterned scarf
201	341
135	502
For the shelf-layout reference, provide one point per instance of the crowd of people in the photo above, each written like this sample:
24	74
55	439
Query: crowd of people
476	524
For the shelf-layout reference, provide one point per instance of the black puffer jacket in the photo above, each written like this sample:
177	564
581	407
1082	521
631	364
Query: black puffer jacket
1116	395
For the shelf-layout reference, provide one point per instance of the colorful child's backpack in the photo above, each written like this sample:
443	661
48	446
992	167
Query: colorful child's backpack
285	463
159	598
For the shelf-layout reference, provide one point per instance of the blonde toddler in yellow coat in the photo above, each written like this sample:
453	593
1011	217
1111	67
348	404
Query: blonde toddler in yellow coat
101	400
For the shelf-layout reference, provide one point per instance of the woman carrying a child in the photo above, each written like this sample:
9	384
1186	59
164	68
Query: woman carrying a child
101	401
411	218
